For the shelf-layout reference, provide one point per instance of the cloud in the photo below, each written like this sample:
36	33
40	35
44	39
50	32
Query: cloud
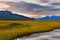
10	0
35	9
57	4
3	6
24	6
44	1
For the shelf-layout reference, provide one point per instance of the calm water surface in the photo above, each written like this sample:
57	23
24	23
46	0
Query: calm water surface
52	35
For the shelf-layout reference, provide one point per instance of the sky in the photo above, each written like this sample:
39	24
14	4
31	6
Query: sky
32	8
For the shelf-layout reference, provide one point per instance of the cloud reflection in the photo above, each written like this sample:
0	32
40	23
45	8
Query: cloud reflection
53	35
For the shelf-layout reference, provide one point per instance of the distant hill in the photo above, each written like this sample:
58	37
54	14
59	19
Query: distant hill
49	18
7	15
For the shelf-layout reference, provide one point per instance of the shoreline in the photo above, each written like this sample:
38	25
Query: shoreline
21	36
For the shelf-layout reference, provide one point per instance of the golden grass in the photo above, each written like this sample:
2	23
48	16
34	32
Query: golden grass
25	28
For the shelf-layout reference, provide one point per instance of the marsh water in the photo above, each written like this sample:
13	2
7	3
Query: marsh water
52	35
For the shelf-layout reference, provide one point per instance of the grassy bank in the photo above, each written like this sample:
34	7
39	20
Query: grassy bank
12	29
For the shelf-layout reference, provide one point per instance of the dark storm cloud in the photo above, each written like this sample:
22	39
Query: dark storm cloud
57	4
24	6
45	1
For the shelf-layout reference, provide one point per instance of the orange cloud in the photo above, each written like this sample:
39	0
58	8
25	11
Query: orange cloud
6	4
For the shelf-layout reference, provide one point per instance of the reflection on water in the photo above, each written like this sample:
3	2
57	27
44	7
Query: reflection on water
53	35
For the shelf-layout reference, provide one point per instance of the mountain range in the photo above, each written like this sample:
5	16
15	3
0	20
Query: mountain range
49	18
7	15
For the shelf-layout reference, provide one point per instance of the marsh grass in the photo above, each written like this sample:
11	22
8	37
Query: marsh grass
12	29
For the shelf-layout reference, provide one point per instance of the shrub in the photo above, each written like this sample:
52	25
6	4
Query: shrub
16	25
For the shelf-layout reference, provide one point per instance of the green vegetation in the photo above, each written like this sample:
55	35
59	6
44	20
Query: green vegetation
13	29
